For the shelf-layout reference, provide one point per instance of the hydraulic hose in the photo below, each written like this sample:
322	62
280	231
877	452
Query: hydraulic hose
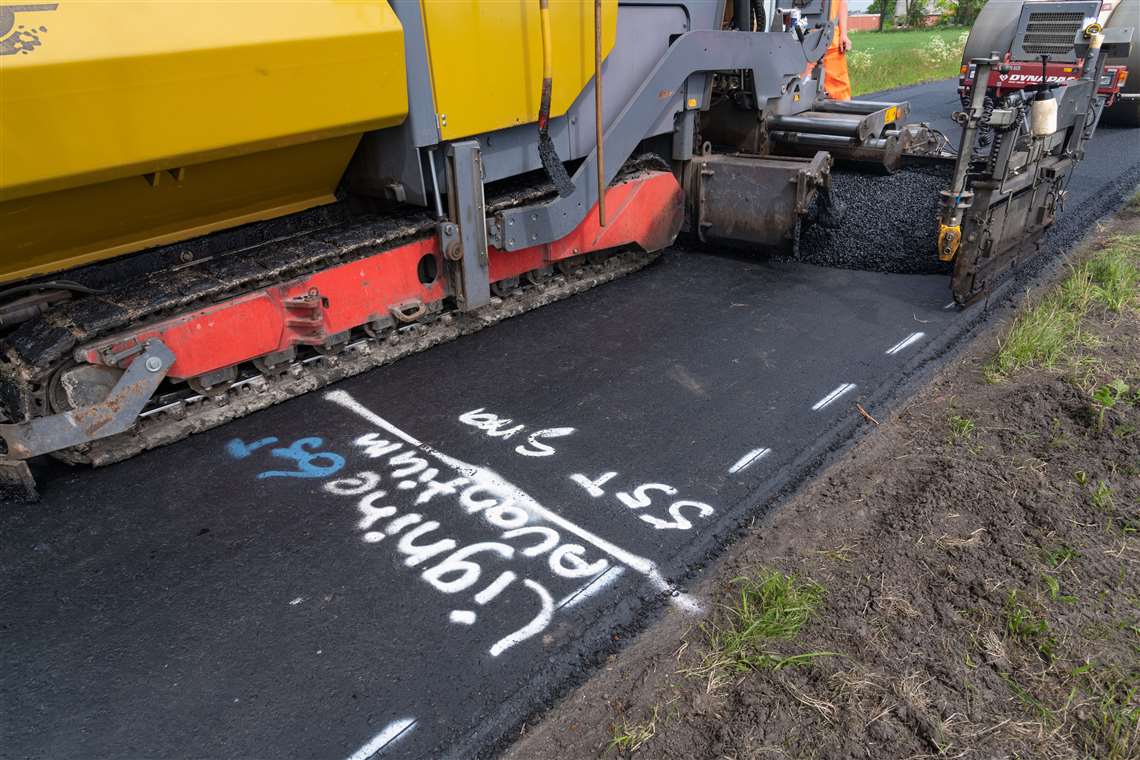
546	150
601	162
985	131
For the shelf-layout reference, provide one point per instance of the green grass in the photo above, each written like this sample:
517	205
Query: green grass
1052	584
1025	627
1038	339
1110	729
1053	587
771	607
1107	721
1056	557
1117	272
1046	715
961	428
1102	497
630	737
1047	332
1106	397
882	60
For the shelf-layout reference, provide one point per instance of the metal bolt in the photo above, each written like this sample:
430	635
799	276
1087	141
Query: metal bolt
153	364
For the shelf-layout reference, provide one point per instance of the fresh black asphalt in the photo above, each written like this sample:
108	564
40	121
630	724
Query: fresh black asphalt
388	570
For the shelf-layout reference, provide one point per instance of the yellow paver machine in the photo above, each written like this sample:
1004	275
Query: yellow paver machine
209	207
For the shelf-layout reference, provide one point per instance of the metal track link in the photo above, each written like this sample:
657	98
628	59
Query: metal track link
169	422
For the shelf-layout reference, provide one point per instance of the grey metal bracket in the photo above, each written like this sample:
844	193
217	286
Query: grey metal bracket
728	186
112	415
468	266
692	53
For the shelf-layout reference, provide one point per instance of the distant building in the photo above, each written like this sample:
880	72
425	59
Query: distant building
860	7
861	20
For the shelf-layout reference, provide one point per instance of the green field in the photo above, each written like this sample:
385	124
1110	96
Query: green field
882	60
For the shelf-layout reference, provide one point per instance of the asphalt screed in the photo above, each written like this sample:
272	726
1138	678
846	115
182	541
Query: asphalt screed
889	223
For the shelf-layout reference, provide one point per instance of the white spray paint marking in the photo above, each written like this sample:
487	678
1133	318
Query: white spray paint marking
909	340
950	305
592	588
463	617
492	480
541	620
831	397
749	459
686	603
593	487
638	498
377	743
495	588
500	427
296	601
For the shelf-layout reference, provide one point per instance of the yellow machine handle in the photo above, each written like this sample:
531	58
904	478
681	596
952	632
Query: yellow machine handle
949	239
547	44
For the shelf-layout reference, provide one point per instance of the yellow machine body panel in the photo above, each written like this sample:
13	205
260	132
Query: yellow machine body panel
124	125
486	59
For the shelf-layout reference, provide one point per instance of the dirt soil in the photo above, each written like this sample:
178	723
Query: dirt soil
978	554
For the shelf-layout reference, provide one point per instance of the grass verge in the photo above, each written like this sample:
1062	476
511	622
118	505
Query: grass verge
1049	331
770	607
882	60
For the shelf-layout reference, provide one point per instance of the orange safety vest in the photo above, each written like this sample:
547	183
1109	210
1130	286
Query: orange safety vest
836	80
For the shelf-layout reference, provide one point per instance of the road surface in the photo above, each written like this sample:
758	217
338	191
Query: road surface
408	565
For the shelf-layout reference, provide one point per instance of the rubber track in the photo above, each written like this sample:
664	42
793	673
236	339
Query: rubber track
167	424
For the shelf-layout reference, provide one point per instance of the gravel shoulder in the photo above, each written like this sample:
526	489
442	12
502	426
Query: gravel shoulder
963	583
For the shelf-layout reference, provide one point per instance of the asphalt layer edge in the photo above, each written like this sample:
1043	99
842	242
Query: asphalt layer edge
626	619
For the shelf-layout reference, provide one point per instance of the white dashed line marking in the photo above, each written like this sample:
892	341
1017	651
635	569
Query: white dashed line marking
749	459
909	340
831	397
377	743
